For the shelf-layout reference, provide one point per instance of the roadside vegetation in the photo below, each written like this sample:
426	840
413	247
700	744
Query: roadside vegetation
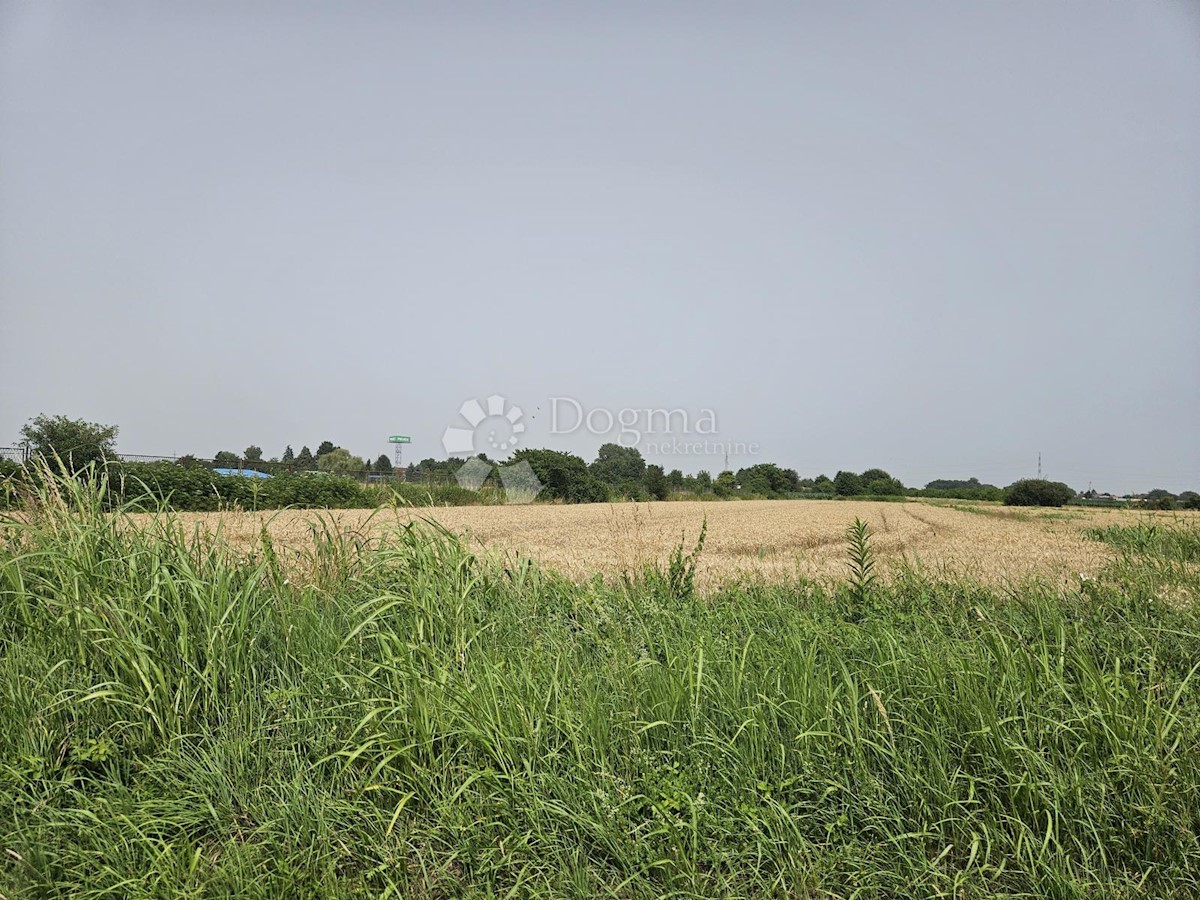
396	716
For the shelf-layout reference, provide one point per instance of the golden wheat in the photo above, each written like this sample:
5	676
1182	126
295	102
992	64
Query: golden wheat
772	539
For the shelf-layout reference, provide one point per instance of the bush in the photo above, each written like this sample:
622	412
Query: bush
885	487
198	489
767	480
656	482
983	492
847	484
564	476
587	490
629	490
1037	492
452	494
306	492
725	484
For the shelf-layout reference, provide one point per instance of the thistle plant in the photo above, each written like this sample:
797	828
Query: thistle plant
681	568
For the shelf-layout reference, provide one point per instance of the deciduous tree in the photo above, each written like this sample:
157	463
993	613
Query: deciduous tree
656	482
340	461
847	484
76	442
564	476
616	465
725	484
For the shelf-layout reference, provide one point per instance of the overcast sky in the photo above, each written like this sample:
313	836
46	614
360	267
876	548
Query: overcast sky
934	238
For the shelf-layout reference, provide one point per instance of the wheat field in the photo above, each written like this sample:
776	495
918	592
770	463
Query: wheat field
773	539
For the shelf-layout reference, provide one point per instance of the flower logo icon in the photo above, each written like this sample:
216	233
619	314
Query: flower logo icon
498	427
495	425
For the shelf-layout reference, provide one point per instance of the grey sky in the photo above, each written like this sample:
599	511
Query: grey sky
936	238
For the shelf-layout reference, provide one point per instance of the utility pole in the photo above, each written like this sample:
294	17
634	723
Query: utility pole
1039	465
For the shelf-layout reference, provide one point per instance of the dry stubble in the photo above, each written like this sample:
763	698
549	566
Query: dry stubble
769	538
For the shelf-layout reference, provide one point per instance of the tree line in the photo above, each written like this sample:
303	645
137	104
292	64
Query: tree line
618	472
328	458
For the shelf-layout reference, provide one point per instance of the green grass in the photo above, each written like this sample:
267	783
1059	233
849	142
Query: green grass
1163	540
409	720
416	494
1160	558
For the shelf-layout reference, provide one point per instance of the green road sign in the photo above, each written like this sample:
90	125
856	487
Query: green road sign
399	439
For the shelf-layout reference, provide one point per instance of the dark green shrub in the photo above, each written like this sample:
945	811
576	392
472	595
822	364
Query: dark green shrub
725	485
1037	492
307	492
656	482
847	484
564	476
192	488
587	490
630	490
885	487
198	489
983	492
767	480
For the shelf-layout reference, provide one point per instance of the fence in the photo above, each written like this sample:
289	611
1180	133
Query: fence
19	453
